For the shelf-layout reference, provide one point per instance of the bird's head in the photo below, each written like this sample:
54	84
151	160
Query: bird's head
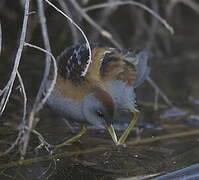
98	109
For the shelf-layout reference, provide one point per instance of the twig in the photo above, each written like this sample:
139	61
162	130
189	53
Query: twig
151	104
10	83
94	24
22	125
49	157
24	103
42	19
102	19
87	42
153	28
24	97
34	110
98	149
42	102
193	5
160	92
73	29
142	6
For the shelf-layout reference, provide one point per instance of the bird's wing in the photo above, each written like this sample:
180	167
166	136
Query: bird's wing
73	61
115	67
107	64
129	67
142	68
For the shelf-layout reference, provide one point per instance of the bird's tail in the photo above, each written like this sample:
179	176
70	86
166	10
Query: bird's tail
140	61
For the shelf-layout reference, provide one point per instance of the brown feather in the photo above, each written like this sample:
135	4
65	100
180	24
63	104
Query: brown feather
70	90
94	69
117	69
105	99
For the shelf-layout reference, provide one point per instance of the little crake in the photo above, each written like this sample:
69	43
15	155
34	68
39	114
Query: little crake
105	90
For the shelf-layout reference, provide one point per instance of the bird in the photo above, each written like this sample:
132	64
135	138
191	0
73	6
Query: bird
106	89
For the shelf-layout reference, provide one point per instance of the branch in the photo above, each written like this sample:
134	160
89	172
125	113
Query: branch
158	90
9	85
73	29
22	125
42	102
140	5
138	142
94	24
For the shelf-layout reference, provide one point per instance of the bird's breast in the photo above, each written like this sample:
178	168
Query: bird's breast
65	105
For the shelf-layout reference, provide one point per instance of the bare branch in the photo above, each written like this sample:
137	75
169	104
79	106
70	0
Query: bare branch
42	19
37	102
24	97
157	89
102	20
73	29
42	102
142	6
40	105
94	24
193	5
22	125
10	83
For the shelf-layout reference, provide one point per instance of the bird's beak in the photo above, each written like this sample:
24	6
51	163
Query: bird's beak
112	133
129	128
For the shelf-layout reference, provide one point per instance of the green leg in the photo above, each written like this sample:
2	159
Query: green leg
112	133
49	147
128	129
73	139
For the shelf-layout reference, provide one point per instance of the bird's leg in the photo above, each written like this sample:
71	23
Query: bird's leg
112	133
128	129
74	138
50	147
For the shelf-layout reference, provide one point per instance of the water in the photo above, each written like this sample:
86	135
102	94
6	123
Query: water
96	157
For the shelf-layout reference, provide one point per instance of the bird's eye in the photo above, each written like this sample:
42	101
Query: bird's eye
99	113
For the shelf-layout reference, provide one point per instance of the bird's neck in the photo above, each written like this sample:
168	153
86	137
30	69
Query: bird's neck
122	93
